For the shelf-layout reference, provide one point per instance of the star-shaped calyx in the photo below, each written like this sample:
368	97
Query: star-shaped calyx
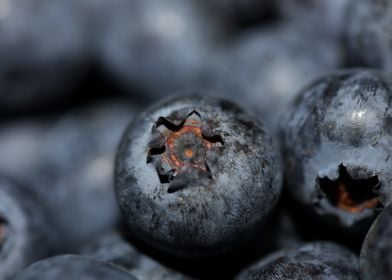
179	147
349	194
3	224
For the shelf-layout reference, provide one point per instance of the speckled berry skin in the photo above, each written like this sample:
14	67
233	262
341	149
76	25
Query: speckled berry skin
313	261
72	267
368	33
213	202
337	146
376	253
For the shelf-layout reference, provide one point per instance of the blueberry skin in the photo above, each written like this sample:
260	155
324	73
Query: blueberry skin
368	33
78	157
203	210
73	267
156	47
336	141
274	63
317	260
25	235
43	52
375	260
115	249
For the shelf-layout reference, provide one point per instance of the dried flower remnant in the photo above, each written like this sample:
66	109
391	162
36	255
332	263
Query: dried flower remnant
180	149
349	194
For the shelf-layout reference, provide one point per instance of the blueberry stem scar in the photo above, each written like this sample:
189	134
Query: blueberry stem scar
351	195
2	231
183	149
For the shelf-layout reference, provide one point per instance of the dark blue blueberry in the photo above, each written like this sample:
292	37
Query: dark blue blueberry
376	253
318	260
25	235
115	249
72	267
196	175
264	68
156	47
337	145
78	157
43	52
368	33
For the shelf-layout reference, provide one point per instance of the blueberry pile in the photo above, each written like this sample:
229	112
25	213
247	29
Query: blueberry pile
198	139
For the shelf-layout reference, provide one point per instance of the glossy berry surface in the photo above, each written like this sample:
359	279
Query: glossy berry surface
336	141
196	175
318	260
376	253
72	267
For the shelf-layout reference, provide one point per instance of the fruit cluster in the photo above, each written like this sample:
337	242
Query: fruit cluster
172	139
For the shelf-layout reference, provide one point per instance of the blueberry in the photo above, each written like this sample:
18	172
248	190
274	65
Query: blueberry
368	33
317	260
78	157
156	47
43	52
115	249
25	236
196	175
336	141
375	258
72	267
272	63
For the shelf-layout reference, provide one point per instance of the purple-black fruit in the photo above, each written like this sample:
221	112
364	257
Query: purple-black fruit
376	254
368	33
196	175
72	267
25	235
337	145
318	260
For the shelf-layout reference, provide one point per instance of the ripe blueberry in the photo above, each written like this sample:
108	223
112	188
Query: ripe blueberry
318	260
72	267
376	256
337	145
196	175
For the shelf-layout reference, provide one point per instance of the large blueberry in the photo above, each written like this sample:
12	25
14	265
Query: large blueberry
196	175
72	267
337	145
318	260
25	235
376	253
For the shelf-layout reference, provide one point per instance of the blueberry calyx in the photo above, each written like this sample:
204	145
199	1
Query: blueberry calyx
350	194
179	147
